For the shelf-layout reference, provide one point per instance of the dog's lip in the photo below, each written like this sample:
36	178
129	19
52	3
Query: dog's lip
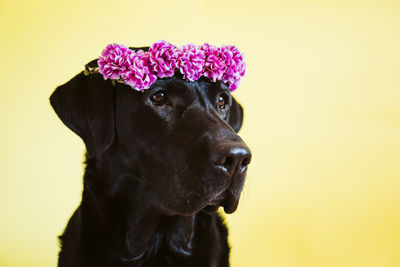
230	203
227	201
213	205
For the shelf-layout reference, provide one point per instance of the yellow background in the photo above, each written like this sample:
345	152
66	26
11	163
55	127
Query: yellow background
322	106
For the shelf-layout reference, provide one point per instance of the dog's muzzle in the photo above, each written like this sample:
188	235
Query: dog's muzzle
230	159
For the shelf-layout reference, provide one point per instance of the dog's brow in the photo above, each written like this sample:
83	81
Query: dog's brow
201	98
211	115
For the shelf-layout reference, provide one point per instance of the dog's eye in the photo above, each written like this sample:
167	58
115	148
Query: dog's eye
221	102
159	98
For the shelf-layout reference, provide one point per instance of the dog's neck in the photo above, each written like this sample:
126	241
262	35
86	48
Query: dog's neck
131	227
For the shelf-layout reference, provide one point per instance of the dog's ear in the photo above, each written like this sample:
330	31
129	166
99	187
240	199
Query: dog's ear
86	105
235	118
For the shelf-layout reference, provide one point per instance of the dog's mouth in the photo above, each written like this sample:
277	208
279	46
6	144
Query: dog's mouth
210	209
225	200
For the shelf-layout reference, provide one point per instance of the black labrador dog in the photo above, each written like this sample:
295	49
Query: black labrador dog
159	165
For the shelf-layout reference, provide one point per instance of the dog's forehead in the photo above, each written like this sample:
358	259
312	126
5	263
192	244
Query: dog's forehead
177	85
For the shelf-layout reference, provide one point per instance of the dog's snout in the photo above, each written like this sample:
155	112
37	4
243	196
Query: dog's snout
231	158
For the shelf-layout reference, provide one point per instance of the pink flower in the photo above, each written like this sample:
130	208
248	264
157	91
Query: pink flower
235	66
139	75
163	58
215	62
141	69
112	62
191	62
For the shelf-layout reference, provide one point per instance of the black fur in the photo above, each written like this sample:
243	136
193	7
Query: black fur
156	172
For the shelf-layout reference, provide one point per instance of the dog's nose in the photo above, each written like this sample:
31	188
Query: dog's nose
231	158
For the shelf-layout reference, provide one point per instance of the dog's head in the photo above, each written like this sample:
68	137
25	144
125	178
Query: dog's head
177	139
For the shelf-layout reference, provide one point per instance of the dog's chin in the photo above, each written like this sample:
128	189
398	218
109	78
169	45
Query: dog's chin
225	198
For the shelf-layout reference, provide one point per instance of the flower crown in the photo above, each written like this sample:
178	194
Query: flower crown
140	69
